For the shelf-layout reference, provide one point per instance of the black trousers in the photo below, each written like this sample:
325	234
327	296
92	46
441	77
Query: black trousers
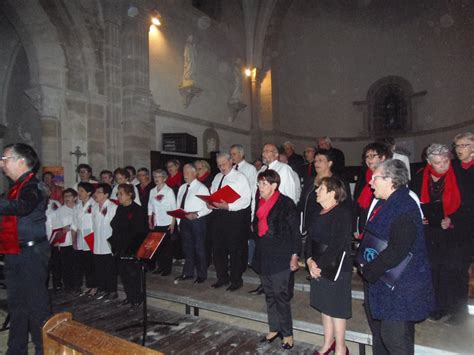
228	229
106	272
56	267
164	254
451	287
193	241
278	293
130	273
68	266
398	337
84	267
28	298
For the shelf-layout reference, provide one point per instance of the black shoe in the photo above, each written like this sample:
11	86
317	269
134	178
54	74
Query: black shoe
125	302
437	315
258	291
183	277
219	284
165	273
287	346
110	297
199	280
270	340
101	295
234	287
135	306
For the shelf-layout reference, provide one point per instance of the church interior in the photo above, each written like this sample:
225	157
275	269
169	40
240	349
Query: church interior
114	83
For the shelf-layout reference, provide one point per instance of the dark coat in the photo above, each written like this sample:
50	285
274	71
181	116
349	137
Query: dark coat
273	251
412	298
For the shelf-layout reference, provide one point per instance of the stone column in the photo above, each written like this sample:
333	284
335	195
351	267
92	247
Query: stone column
138	127
113	83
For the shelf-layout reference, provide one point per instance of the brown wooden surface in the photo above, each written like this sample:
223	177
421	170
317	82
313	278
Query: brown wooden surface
62	335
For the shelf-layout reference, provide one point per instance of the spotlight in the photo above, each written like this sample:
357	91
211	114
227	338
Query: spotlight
156	21
248	72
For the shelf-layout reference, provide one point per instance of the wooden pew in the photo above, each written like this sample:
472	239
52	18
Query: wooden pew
62	335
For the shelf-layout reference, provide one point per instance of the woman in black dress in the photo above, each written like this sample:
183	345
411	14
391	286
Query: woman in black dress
129	231
330	236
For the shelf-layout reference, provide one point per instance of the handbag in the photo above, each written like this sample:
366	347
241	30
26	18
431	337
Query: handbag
370	247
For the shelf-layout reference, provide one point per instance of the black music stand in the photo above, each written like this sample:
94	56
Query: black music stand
145	253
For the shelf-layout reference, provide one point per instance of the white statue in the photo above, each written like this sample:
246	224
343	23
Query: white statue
190	58
237	72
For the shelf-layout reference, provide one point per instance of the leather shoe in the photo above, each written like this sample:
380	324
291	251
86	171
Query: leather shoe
125	302
331	349
258	291
287	346
219	284
270	340
437	315
183	277
234	287
199	280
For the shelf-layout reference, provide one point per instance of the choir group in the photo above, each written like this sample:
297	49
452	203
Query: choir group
96	226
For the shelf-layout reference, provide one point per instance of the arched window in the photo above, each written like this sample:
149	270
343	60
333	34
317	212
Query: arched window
389	101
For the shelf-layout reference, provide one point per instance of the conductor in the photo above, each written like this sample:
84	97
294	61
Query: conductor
23	241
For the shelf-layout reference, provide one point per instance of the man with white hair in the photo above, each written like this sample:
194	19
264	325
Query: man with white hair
229	222
339	158
296	161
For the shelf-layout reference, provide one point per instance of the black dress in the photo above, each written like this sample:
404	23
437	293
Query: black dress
332	298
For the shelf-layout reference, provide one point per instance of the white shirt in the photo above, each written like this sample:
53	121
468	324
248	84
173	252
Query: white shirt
251	173
101	218
52	218
82	222
135	181
64	219
288	185
159	207
239	183
114	194
404	159
193	203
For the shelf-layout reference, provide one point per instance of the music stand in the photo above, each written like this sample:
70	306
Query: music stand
145	253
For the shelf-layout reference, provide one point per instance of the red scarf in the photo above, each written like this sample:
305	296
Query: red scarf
365	197
264	208
466	166
451	197
204	177
175	181
9	224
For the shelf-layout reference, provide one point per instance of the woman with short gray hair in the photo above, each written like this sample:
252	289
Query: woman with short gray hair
443	192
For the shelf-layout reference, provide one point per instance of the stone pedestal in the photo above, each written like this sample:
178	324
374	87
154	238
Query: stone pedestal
188	90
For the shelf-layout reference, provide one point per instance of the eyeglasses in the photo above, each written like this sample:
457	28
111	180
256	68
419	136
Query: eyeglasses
374	177
11	157
462	146
371	156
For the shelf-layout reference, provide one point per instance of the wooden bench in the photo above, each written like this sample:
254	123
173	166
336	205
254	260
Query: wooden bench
62	335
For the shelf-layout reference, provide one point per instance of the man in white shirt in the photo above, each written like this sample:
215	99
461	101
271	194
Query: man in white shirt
288	184
193	227
229	225
102	214
237	155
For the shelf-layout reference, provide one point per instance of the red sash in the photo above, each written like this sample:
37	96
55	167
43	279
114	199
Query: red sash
9	224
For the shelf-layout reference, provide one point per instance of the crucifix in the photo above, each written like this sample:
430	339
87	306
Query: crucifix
78	154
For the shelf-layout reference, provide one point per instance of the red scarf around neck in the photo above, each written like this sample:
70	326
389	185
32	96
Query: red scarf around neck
204	177
451	197
365	197
264	208
466	166
9	224
175	181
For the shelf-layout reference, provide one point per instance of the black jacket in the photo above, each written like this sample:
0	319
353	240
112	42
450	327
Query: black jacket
129	229
30	209
273	251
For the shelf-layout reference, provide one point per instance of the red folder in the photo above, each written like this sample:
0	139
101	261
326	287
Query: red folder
179	213
90	241
226	193
150	245
58	236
